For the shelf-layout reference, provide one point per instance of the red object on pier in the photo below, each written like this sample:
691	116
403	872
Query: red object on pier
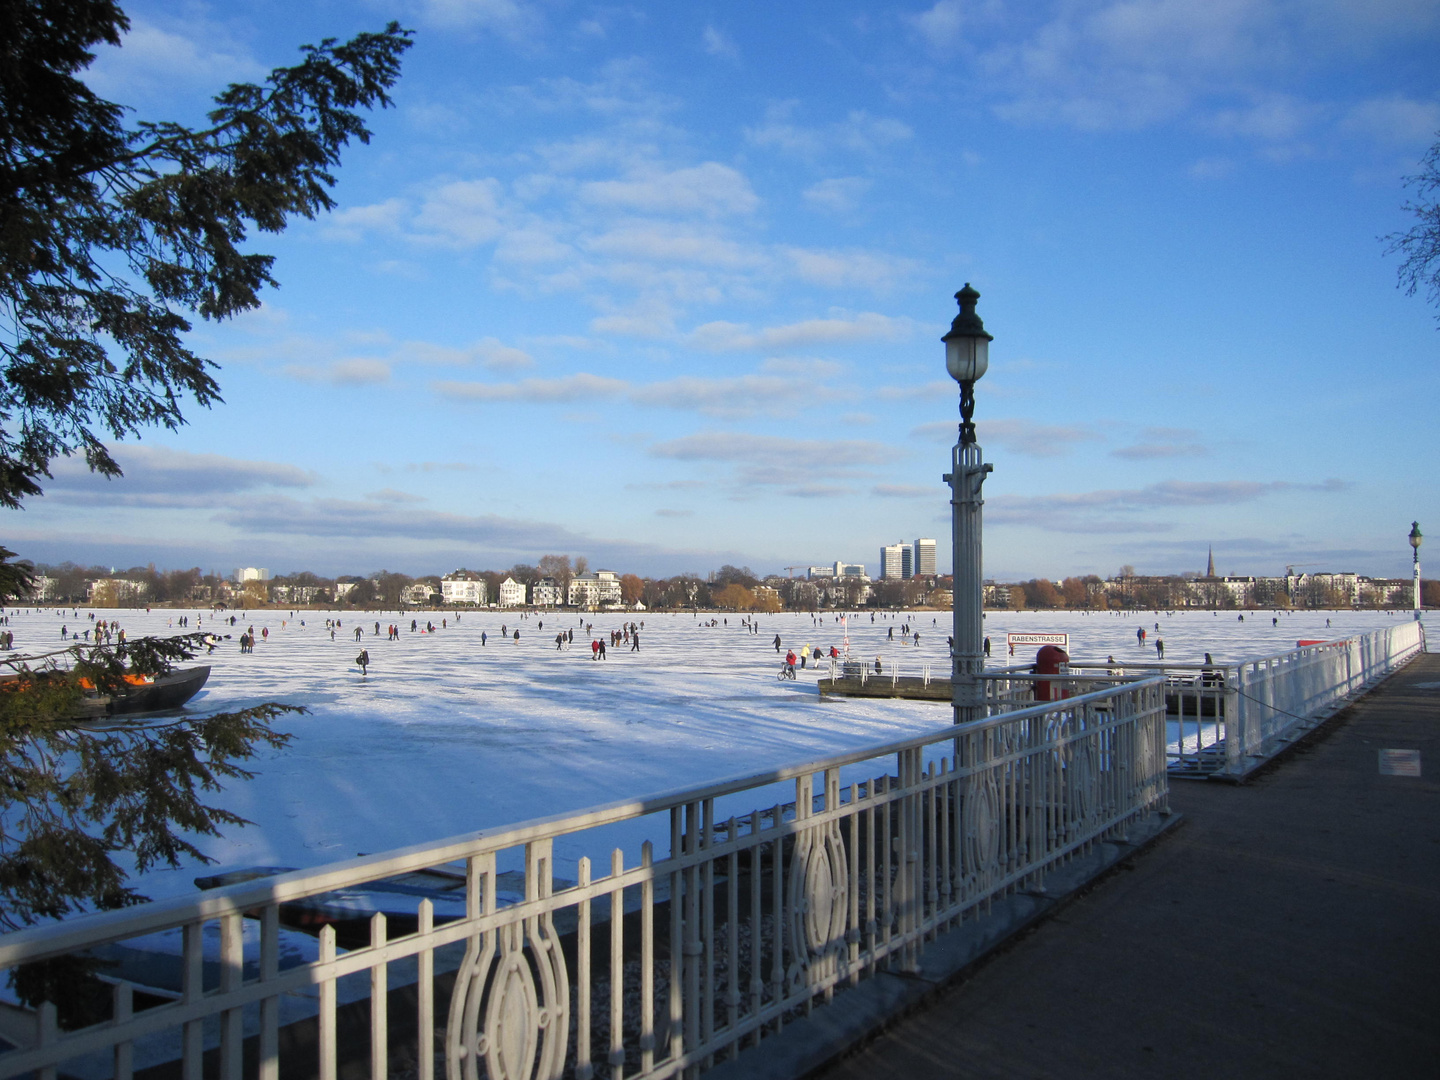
1048	661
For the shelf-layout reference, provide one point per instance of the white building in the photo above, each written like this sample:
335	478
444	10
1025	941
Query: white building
925	557
252	573
417	592
546	593
849	570
820	572
892	560
512	593
463	587
594	590
344	589
117	592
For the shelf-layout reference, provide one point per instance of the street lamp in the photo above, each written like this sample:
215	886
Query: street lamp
1415	539
967	355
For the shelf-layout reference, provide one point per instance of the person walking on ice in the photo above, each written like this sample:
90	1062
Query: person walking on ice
363	660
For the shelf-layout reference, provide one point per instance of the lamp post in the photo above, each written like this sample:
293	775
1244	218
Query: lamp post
967	355
1415	539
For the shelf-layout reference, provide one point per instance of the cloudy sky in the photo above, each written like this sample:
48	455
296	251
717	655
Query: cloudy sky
662	284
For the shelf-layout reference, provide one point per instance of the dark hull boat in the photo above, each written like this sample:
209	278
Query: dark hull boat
165	693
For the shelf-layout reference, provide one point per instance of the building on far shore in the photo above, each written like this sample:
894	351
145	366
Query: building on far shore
546	593
511	593
593	590
463	587
924	557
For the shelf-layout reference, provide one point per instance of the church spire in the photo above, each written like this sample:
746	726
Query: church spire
1210	566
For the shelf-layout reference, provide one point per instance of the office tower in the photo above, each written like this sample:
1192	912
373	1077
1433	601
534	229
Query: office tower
925	557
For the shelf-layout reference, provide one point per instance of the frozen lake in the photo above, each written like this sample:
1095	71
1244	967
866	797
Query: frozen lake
446	735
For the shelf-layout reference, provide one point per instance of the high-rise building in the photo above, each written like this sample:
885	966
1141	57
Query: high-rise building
907	561
925	557
892	561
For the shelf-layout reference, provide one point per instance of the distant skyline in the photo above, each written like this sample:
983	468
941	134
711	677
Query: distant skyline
664	286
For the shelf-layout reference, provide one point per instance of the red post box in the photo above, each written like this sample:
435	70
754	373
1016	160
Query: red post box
1048	661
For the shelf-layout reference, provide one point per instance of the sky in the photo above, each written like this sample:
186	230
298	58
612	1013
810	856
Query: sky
663	285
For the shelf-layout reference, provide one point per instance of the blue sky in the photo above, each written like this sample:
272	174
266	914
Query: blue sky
663	284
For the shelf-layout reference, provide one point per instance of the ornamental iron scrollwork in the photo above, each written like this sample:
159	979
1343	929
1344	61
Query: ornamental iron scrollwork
510	1008
981	819
819	890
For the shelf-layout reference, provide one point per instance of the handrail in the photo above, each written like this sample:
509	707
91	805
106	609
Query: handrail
825	890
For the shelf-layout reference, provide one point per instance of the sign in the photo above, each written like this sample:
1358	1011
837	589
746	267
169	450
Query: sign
1399	762
1062	640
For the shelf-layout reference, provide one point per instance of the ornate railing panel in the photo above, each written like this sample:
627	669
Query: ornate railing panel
1224	718
775	892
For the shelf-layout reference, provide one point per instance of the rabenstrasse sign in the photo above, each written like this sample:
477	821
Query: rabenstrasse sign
1062	640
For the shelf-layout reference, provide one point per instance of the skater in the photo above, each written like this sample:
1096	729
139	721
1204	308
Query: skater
363	660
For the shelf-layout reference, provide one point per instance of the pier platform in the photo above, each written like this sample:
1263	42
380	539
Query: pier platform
1288	928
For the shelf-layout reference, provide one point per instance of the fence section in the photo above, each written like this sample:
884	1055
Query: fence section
1224	719
755	901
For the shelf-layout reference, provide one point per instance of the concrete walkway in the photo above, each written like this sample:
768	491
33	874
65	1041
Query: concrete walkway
1290	928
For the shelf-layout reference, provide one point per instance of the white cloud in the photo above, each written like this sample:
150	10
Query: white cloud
711	190
578	387
1023	437
771	460
731	398
463	213
152	60
841	194
717	43
840	269
940	25
1393	121
158	476
508	18
662	243
734	337
357	371
858	133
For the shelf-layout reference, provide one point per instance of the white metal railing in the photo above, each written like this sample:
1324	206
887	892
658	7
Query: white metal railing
1229	716
755	908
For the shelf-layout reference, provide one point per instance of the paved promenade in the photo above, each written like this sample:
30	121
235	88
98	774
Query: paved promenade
1290	928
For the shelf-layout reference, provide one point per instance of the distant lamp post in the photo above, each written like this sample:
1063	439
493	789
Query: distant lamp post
967	355
1415	539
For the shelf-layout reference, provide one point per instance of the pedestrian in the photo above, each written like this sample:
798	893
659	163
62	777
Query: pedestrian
517	637
482	638
595	649
777	642
987	646
1160	648
602	648
363	660
634	640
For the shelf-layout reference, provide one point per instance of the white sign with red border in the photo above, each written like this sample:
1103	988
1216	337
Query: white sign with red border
1062	640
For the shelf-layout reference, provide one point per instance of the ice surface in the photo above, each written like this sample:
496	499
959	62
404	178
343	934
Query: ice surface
445	736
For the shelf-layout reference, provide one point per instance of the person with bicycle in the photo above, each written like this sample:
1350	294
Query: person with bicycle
789	670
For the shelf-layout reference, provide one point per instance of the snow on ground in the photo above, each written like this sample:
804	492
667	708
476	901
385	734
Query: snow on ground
446	736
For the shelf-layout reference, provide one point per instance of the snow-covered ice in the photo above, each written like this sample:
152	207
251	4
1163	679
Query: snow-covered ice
445	736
